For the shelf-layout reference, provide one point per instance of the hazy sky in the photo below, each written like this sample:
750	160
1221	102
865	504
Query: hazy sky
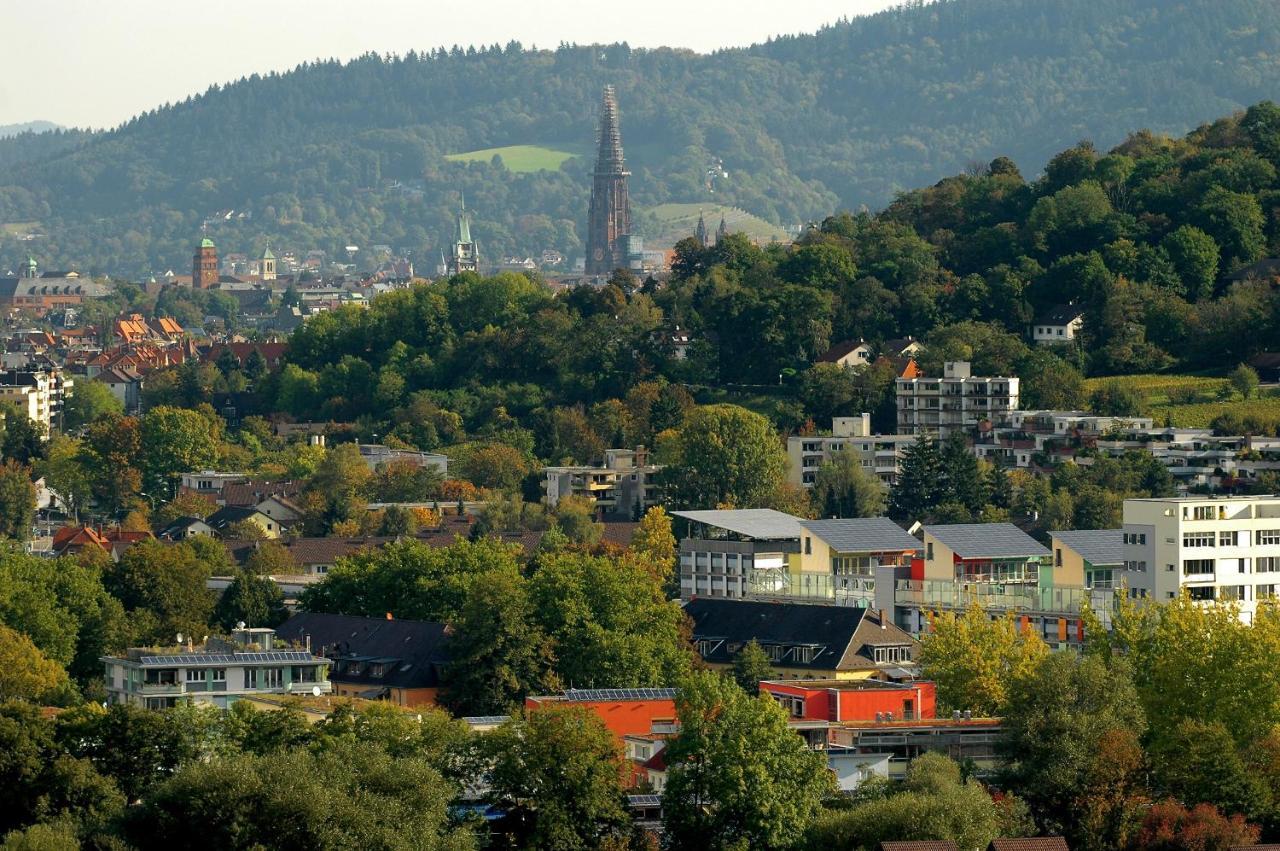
97	62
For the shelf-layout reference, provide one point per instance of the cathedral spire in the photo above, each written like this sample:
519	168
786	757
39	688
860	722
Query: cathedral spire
701	233
609	215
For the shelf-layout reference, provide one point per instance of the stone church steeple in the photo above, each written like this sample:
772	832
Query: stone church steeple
609	216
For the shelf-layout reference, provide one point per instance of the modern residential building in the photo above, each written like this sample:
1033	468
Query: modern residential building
1091	557
251	663
624	711
880	454
1030	439
735	553
854	700
967	740
957	402
40	394
399	661
376	455
1004	570
1217	548
802	640
1061	324
622	485
209	483
845	561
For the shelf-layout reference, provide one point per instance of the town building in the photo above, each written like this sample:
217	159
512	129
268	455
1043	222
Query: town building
376	455
965	739
623	485
225	519
1001	568
609	243
955	403
736	553
40	394
854	700
846	561
204	265
903	347
464	254
624	711
399	661
851	353
252	663
1214	548
1061	324
803	641
879	454
1093	558
1034	439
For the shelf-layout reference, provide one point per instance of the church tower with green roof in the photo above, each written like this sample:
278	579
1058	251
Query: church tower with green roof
204	265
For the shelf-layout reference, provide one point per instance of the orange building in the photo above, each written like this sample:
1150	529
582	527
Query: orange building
854	700
625	711
204	265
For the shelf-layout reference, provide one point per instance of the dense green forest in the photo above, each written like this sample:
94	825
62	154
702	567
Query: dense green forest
333	153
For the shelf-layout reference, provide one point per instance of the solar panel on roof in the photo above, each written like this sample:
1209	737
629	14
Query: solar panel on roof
607	694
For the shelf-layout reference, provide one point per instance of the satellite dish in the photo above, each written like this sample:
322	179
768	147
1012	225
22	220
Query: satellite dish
315	691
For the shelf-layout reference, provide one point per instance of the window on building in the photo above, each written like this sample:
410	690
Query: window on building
272	677
808	545
1264	592
1201	593
1231	592
1198	539
1057	557
195	675
1227	539
1193	566
1267	564
218	675
929	552
1268	537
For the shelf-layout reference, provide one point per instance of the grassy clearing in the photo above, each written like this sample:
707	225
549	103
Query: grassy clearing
666	224
521	159
1166	390
1201	414
19	228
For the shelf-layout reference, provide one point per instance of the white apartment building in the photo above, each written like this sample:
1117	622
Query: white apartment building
957	402
1224	548
878	453
38	394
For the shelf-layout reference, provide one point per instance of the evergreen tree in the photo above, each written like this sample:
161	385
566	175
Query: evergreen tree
963	482
919	487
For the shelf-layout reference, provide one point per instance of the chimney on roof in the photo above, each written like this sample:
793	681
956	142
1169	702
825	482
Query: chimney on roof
883	625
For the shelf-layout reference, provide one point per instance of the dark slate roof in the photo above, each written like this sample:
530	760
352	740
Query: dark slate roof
987	540
229	514
1061	314
1040	843
177	527
413	651
839	350
862	535
895	348
1096	546
764	523
840	632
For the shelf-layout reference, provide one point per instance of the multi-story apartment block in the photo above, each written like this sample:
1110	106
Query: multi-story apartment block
957	402
1027	439
1224	548
219	673
738	553
40	394
622	485
879	454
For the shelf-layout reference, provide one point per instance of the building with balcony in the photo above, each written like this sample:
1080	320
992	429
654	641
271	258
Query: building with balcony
1225	548
41	394
879	454
957	402
803	641
621	486
967	740
854	700
737	553
1029	439
399	661
250	664
1002	569
1090	557
845	561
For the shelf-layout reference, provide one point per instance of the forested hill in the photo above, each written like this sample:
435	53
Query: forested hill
333	153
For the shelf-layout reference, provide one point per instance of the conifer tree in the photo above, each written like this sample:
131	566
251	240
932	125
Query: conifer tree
919	485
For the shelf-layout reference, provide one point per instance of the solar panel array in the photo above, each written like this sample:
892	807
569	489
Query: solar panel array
987	540
486	720
607	694
228	658
644	801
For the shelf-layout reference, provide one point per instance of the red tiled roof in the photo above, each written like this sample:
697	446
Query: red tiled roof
1041	843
